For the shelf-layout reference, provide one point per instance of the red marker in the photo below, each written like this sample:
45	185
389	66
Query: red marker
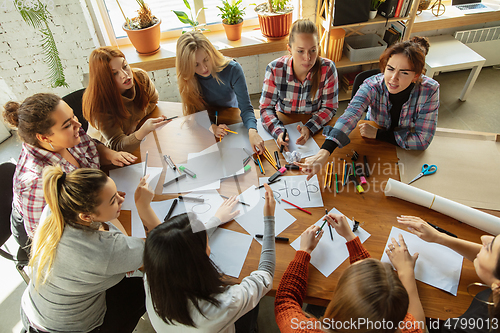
302	209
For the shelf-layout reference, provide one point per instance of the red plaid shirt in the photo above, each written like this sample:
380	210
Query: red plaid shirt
28	184
284	93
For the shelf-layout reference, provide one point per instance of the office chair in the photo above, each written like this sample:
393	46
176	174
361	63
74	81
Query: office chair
74	100
358	80
6	179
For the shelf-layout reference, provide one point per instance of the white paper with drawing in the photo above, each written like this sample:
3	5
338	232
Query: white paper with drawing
203	210
328	254
436	265
309	149
297	190
253	222
127	178
161	209
229	250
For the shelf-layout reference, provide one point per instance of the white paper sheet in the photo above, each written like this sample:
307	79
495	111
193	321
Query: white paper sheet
239	140
127	178
203	210
250	196
462	213
229	250
161	209
296	190
265	135
309	149
328	254
437	265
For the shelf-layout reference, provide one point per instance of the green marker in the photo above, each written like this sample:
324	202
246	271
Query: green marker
187	171
336	184
317	232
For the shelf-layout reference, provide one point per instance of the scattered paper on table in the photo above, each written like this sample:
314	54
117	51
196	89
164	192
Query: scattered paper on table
296	190
229	250
127	178
437	265
265	135
161	209
203	210
309	149
328	254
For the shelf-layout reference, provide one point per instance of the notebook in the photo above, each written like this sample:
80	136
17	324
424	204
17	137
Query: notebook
470	6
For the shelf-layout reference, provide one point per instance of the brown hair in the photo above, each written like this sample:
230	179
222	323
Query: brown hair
415	50
371	290
32	117
185	61
102	100
306	26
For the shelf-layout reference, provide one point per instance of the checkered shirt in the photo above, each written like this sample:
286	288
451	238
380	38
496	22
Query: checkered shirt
28	185
284	93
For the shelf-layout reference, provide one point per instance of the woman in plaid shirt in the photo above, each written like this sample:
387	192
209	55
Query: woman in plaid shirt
51	135
401	101
300	83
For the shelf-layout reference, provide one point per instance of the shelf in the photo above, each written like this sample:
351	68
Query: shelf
377	20
345	62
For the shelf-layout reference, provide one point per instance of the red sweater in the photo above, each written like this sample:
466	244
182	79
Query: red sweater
292	290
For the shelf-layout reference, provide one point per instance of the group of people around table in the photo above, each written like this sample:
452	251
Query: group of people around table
65	208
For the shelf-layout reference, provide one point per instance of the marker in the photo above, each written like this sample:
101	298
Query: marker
442	230
336	183
170	118
180	197
331	233
292	167
169	162
241	202
278	238
245	161
353	170
145	165
278	173
176	179
170	211
269	183
284	139
277	158
367	171
251	156
356	184
186	170
225	129
324	221
302	209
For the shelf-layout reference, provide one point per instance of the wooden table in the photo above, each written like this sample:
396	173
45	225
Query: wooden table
377	211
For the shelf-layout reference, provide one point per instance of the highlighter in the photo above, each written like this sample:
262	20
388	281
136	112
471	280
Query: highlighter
277	174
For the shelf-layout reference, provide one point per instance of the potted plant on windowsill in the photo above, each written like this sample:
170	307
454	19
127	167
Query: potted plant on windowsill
144	30
232	18
374	5
275	18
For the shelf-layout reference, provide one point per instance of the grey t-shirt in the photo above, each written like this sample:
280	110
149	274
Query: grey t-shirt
86	264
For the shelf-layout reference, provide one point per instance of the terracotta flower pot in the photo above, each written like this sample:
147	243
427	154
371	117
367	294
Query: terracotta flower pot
233	31
146	41
274	25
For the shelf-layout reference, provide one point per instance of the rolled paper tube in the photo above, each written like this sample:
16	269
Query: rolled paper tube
462	213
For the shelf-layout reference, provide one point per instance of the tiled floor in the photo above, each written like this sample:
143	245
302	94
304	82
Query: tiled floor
481	112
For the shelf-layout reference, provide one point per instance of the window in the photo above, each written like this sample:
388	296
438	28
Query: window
112	17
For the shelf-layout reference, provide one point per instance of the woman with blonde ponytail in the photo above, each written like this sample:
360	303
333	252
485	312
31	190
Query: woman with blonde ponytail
79	259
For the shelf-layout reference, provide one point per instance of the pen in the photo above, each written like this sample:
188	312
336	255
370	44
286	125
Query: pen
331	233
336	183
278	238
241	202
302	209
170	211
171	118
186	170
442	230
245	161
324	221
225	129
269	183
367	171
169	162
180	197
277	158
176	179
284	139
145	165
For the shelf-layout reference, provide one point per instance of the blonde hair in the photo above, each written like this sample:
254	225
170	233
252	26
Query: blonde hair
67	196
372	290
306	26
189	87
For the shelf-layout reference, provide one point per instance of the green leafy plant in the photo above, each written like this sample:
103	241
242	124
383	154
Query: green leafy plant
190	19
144	19
375	4
231	13
37	16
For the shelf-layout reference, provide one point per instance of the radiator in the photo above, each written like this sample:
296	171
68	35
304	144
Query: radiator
485	42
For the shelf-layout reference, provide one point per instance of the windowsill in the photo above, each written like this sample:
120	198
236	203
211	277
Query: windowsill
251	43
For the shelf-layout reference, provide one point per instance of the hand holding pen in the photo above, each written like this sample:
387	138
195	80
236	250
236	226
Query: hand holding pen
282	141
309	240
341	225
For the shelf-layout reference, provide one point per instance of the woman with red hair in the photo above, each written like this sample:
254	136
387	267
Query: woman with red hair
117	99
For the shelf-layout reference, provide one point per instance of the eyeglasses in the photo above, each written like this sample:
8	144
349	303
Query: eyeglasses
474	294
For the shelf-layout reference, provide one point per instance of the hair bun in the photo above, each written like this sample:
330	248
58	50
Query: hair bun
423	42
10	113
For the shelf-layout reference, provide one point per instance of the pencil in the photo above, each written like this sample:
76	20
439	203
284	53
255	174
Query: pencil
331	233
225	129
260	165
324	222
327	166
353	169
343	173
336	183
302	209
270	161
330	175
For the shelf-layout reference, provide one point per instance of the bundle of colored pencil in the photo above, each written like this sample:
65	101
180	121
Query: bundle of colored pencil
269	158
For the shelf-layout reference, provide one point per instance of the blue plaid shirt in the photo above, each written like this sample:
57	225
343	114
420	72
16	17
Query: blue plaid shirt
284	93
417	121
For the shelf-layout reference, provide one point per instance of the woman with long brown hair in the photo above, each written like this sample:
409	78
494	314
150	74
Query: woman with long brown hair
302	82
207	78
117	99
